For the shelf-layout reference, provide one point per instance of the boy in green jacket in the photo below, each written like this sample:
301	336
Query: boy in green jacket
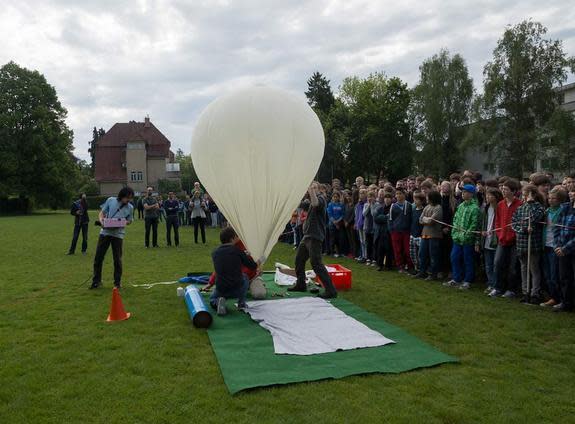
465	224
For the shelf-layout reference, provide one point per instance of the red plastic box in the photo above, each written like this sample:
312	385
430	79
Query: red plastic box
341	278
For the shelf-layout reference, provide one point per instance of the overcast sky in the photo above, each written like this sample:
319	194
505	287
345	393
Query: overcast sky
115	60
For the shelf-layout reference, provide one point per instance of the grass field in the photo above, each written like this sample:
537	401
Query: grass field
61	362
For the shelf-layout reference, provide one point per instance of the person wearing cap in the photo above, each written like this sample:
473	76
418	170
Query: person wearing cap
465	225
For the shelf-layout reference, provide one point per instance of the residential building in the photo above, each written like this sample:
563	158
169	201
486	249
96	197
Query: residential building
135	154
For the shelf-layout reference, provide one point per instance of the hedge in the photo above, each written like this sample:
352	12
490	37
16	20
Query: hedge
15	205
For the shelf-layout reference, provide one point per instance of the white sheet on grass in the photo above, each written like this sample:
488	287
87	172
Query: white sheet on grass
282	279
310	325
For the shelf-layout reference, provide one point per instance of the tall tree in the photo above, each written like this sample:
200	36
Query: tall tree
557	140
441	104
378	135
519	95
319	94
96	135
188	174
35	142
332	117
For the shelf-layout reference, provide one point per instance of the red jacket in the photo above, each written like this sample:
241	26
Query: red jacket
503	215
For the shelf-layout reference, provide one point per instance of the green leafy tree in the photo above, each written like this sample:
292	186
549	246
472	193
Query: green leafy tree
557	139
319	94
35	142
519	96
165	186
379	140
440	112
331	115
188	174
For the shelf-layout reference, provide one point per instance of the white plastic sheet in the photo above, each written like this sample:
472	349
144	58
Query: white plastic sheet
256	151
310	325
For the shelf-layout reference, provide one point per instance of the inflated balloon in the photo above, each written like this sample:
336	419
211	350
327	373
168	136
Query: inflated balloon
256	151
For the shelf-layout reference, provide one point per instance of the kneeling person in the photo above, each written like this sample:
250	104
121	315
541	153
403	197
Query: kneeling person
231	282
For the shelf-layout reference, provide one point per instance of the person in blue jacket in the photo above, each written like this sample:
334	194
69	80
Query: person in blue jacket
335	211
564	238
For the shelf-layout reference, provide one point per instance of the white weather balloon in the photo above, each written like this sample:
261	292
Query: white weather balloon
256	151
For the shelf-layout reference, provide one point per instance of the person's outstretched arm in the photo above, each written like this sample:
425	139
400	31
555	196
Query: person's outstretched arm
312	190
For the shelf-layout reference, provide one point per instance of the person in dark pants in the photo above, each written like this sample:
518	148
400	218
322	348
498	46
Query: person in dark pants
231	282
114	207
140	207
199	215
172	206
79	210
311	245
564	238
151	217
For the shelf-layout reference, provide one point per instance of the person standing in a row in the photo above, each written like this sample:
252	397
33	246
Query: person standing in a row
151	216
81	219
198	208
172	206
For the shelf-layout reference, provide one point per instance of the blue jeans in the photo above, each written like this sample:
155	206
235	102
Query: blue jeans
463	262
429	255
489	258
238	292
551	273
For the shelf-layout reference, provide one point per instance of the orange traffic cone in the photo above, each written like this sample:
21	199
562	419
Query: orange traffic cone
117	312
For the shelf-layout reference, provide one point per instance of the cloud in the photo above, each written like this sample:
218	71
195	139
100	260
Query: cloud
118	60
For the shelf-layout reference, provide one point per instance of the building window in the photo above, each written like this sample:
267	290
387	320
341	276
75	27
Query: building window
136	176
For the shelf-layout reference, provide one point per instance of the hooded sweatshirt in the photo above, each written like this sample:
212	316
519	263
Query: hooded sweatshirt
400	217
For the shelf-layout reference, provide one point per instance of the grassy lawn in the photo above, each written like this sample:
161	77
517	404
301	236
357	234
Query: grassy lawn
61	362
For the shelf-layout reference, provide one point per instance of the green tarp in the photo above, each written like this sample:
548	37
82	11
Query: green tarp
245	352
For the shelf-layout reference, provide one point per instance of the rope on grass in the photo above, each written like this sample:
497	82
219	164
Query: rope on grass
150	285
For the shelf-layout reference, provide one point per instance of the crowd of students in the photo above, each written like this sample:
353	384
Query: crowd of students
519	237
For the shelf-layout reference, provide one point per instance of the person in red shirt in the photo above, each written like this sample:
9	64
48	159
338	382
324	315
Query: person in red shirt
506	281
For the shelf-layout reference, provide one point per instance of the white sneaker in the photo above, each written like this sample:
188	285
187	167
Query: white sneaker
494	293
335	255
508	294
451	283
465	286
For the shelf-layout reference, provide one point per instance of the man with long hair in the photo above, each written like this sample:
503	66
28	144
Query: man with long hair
114	208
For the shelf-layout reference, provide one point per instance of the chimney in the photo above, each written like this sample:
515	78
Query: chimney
147	122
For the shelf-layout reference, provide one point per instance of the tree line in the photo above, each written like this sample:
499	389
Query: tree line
373	126
378	126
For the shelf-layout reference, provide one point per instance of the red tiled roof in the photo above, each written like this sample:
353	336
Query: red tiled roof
121	133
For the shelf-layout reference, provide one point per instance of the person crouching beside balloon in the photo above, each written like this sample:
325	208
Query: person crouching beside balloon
250	273
311	245
231	282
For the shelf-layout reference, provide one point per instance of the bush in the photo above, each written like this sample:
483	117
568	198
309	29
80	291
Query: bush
91	188
15	205
165	186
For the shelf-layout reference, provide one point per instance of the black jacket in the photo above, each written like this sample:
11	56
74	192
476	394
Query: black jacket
83	217
228	261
